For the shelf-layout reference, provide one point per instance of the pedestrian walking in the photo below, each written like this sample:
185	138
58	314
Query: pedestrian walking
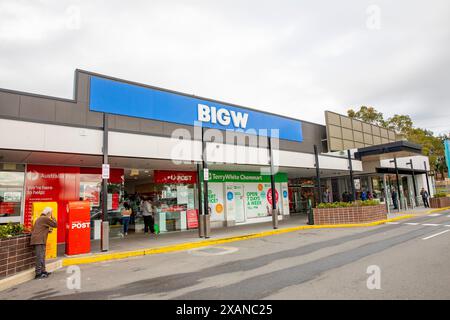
147	213
364	195
126	214
326	196
42	227
394	198
425	196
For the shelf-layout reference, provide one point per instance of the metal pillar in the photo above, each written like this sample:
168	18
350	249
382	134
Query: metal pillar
386	195
399	200
319	191
272	187
414	181
104	240
352	182
200	208
206	215
426	178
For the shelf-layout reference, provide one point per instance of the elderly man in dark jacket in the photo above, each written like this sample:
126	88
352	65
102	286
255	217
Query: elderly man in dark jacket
42	227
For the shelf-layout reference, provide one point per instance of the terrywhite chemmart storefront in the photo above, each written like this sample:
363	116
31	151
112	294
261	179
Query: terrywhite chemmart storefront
245	197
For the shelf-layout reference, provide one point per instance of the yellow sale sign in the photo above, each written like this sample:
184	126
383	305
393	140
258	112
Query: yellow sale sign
51	246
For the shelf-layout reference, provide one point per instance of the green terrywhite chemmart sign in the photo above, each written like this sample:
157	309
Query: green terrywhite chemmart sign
243	176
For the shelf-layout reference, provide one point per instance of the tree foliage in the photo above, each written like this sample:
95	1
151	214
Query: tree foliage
432	146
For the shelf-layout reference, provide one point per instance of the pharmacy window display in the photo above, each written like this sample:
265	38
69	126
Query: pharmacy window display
245	196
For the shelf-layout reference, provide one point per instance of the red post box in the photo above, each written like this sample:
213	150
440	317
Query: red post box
78	228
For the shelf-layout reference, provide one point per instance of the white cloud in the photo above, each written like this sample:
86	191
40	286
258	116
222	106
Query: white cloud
289	57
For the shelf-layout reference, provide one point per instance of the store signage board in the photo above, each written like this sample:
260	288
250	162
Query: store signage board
132	100
105	171
164	176
244	176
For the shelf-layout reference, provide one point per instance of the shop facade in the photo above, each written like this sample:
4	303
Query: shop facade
56	147
239	197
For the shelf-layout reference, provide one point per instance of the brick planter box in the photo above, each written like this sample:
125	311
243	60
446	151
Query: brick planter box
349	215
440	202
16	255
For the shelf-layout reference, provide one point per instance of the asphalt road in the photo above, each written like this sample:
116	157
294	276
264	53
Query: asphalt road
411	260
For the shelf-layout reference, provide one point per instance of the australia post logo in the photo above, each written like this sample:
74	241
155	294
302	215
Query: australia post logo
178	178
222	116
80	225
174	177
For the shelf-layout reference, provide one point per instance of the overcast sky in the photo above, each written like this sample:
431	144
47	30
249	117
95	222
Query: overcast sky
296	58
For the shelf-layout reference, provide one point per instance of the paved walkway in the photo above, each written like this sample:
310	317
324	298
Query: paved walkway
136	241
416	211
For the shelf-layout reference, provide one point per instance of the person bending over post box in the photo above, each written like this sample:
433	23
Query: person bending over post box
42	227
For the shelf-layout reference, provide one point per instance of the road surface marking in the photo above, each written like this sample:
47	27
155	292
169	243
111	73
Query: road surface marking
412	223
435	215
447	225
431	225
435	235
392	222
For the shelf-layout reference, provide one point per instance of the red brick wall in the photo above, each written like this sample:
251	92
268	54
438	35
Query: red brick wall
440	202
349	215
16	255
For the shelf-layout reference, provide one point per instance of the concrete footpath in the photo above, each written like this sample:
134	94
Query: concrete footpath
140	244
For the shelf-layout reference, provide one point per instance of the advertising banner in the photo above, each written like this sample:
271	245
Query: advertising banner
78	228
51	184
215	201
132	100
192	218
51	245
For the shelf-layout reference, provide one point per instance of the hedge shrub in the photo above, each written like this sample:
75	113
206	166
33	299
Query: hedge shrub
10	230
440	195
358	203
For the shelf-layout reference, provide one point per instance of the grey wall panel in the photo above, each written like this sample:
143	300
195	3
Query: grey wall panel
70	113
168	128
34	108
127	123
83	87
151	127
9	104
94	119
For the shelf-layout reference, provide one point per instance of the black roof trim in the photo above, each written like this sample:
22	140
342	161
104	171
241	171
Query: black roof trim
389	170
396	146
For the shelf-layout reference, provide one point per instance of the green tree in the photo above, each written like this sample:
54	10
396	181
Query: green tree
366	114
399	123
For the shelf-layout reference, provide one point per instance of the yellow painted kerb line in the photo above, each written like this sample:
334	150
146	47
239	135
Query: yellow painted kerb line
197	244
438	210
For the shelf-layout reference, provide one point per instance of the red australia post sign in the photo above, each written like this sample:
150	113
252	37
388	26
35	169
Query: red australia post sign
163	176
